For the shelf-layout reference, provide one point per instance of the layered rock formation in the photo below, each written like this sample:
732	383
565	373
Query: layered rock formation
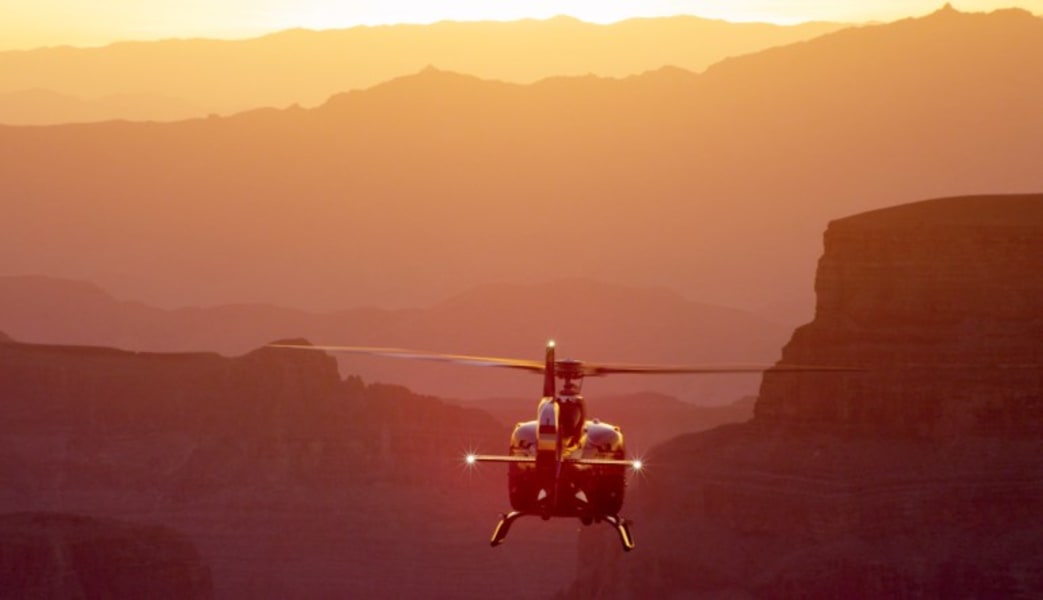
942	303
920	477
291	482
51	555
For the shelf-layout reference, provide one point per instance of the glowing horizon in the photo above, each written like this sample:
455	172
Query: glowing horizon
89	23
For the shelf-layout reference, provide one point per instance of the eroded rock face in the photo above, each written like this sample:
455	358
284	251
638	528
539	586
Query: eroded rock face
920	477
289	481
942	303
52	555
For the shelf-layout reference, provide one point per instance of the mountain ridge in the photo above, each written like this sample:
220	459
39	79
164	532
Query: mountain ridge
306	67
499	319
714	185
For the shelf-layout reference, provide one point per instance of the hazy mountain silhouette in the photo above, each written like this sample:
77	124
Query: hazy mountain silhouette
593	321
43	107
647	418
716	185
303	66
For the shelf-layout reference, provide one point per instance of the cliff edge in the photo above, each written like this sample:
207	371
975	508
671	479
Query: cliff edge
921	476
941	302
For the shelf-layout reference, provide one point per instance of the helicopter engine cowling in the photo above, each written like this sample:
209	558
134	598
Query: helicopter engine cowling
604	485
522	480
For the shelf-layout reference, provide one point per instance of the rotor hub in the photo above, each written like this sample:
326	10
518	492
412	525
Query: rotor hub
569	369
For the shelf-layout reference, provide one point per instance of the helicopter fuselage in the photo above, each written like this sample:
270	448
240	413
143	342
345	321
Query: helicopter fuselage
560	478
561	464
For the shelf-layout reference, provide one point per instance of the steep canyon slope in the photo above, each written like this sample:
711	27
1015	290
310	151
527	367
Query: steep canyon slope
288	480
920	477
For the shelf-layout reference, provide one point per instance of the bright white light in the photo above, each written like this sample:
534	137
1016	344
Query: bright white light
637	464
471	459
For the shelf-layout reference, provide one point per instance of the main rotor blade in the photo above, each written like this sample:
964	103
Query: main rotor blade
596	370
463	359
585	369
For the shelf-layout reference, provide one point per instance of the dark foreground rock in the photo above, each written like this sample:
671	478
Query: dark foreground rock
52	555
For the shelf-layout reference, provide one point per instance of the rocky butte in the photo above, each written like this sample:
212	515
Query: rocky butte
290	481
921	476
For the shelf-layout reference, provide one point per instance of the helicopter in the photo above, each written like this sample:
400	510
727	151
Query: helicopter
562	464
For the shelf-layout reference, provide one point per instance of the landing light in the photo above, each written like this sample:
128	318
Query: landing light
471	459
637	464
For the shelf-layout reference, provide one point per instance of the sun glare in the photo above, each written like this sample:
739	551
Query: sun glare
328	14
92	23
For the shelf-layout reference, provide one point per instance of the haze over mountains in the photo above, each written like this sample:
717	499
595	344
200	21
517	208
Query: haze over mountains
909	478
590	320
42	107
664	217
716	185
306	67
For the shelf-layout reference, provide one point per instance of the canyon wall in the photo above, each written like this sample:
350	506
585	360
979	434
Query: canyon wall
290	481
53	555
921	476
941	302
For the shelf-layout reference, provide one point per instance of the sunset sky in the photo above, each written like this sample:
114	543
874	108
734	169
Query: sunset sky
29	24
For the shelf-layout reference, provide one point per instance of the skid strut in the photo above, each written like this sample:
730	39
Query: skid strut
621	525
500	533
623	528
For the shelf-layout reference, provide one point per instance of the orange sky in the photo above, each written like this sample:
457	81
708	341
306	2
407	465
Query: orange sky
28	24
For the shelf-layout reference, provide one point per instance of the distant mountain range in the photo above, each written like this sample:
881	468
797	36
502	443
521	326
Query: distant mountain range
717	185
45	107
306	67
647	419
591	320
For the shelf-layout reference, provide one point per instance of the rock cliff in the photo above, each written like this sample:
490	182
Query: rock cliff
51	555
920	477
942	303
290	481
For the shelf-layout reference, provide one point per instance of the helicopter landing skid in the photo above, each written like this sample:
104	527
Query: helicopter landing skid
500	533
621	525
623	528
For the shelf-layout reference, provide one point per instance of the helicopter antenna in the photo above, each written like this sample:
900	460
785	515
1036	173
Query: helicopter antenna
548	372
